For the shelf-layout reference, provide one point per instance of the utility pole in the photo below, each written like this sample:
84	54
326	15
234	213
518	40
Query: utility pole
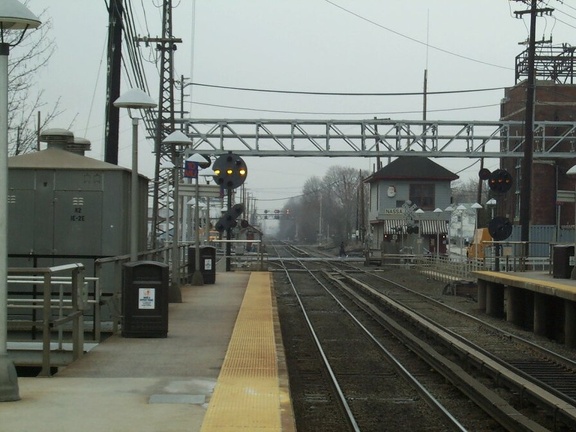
112	114
526	183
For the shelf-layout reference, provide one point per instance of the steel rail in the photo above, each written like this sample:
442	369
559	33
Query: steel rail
533	346
409	377
349	415
429	397
554	399
497	368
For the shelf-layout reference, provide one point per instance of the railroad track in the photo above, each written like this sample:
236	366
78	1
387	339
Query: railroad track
340	389
539	384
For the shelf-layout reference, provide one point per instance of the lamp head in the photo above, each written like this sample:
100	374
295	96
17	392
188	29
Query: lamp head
134	99
15	16
177	137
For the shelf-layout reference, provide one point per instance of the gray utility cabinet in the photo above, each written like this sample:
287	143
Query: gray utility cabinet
65	204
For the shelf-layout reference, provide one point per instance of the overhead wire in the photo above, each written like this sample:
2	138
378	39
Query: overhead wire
445	51
342	113
134	67
317	93
139	75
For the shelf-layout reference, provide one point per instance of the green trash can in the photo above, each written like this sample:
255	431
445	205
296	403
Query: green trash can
207	263
145	299
561	268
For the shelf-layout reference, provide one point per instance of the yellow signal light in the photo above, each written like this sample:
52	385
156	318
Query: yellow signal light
229	171
217	171
242	172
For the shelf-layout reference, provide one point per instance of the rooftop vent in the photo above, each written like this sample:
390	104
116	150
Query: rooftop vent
80	146
57	138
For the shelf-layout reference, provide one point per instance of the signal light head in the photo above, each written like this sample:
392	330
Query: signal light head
230	171
500	181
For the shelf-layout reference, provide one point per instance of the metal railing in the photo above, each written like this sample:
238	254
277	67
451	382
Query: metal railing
67	310
447	269
241	258
512	257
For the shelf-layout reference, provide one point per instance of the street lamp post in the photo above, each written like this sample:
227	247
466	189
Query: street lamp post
438	211
176	138
462	208
134	99
419	212
476	206
572	172
492	204
197	277
449	210
13	16
208	172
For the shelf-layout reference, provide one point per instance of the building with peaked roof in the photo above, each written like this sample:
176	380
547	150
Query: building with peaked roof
64	207
408	198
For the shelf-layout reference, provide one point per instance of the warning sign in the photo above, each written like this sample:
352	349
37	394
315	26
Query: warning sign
146	298
208	264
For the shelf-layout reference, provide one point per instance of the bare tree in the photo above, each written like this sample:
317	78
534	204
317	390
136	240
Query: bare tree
308	214
467	191
329	209
341	187
24	102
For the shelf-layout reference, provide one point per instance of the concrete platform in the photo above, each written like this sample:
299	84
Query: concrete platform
541	282
532	300
139	384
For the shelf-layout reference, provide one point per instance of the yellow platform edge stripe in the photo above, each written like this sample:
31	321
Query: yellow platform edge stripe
252	393
549	287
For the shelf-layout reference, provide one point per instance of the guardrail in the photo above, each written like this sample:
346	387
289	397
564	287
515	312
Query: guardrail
242	258
446	269
511	257
68	310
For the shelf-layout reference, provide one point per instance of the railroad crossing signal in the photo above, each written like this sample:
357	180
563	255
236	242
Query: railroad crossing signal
230	171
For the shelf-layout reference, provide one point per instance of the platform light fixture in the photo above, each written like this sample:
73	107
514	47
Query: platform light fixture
134	99
14	17
572	173
475	206
176	138
197	277
438	211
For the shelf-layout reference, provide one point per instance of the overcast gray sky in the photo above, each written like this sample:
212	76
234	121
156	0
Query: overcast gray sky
305	45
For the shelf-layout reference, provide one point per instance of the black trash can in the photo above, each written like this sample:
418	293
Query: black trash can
145	299
207	263
561	267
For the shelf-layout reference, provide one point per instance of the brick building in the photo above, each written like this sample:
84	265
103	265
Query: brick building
553	102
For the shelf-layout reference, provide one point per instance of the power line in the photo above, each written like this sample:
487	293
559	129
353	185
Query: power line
341	113
316	93
416	40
